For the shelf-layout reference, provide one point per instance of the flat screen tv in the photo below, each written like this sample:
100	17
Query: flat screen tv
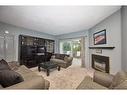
100	37
41	49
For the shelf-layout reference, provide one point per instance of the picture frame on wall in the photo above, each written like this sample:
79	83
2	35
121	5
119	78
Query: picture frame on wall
100	37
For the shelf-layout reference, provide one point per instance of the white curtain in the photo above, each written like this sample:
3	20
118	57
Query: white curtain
82	51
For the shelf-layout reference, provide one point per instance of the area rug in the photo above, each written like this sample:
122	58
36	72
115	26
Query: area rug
68	78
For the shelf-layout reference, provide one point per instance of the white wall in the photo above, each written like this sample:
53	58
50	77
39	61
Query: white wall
76	35
16	31
124	38
71	36
112	24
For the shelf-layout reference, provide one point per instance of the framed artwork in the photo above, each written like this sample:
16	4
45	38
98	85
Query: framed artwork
100	37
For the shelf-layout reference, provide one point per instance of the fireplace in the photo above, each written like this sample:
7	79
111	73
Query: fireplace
100	63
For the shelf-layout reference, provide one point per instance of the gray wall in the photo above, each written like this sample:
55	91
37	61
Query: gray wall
124	38
112	24
73	35
70	36
16	31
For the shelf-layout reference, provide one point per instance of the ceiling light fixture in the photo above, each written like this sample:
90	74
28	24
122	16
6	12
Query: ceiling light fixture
6	32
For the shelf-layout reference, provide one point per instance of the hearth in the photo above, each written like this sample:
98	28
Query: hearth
100	63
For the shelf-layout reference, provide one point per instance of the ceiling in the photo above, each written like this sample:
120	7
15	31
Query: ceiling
55	20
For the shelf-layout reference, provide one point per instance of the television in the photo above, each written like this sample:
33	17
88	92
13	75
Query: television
41	49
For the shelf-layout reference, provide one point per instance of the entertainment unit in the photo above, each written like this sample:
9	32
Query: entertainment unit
34	50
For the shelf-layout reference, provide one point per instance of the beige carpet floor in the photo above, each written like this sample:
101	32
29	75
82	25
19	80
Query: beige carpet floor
68	78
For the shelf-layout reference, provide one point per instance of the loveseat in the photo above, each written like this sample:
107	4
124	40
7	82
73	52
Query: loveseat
62	60
31	79
102	80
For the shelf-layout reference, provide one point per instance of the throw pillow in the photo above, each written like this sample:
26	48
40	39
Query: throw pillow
62	56
9	77
118	78
66	59
57	56
4	65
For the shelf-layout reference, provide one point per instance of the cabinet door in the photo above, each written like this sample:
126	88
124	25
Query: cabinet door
2	48
9	44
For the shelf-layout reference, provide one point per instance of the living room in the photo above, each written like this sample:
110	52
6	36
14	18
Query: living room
100	58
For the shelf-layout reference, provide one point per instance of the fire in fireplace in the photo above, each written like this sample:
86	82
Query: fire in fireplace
100	63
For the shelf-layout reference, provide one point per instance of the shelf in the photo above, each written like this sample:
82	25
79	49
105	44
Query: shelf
101	47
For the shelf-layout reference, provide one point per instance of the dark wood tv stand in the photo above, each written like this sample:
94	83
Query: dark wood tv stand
34	50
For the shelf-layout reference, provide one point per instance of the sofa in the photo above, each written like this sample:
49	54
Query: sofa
31	79
103	80
62	60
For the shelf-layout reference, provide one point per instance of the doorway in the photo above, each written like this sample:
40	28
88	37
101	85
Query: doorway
72	47
7	47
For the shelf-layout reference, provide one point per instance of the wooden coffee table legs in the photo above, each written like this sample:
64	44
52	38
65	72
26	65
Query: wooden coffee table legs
58	68
39	68
48	71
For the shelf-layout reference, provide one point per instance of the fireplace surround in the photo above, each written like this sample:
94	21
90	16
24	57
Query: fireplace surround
100	63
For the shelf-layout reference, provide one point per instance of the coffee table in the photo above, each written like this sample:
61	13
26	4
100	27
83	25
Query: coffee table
48	65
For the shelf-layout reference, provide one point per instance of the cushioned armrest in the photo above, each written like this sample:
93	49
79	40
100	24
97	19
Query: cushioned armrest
122	85
14	65
88	83
68	59
35	83
101	78
47	84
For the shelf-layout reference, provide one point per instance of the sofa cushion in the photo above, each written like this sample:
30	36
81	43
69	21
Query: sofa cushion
60	56
23	70
26	73
118	78
58	61
57	56
9	77
14	65
4	65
